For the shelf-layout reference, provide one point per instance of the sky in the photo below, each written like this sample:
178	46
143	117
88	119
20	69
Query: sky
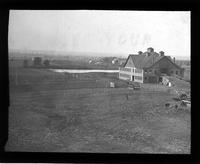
100	31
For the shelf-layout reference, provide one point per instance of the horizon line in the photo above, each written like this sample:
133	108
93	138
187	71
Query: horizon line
60	53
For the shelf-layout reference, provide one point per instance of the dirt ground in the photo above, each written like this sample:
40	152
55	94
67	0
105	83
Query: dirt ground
52	112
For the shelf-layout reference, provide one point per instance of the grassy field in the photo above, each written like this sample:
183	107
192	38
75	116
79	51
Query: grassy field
59	113
72	64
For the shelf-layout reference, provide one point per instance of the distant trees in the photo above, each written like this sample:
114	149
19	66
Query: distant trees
187	63
183	62
38	62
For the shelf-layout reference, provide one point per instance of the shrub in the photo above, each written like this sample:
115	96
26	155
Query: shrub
46	63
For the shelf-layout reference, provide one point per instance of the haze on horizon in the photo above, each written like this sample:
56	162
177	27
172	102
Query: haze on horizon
100	31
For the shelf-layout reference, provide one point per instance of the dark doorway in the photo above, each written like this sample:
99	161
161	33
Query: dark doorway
160	79
132	78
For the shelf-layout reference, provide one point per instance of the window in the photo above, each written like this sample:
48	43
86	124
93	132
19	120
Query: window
172	72
150	70
125	69
124	75
138	77
145	71
177	72
138	70
155	72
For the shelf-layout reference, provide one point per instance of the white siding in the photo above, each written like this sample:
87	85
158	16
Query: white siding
127	73
124	76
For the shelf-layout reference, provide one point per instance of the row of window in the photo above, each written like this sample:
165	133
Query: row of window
129	70
138	70
138	77
172	72
150	70
125	75
125	69
155	71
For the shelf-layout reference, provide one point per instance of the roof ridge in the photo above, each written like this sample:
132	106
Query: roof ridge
143	60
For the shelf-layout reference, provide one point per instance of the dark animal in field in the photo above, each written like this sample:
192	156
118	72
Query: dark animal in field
167	104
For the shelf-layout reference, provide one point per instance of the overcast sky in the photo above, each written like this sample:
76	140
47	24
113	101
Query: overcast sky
120	32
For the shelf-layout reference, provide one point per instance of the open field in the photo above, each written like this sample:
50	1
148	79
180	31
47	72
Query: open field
69	61
66	64
59	113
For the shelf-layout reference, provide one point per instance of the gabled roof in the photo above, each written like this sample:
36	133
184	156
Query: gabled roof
145	61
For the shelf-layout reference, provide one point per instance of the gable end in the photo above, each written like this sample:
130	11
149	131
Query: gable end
129	61
165	57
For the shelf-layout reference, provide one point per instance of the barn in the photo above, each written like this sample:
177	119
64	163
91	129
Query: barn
149	67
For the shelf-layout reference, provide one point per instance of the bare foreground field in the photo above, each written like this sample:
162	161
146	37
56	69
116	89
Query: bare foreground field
52	112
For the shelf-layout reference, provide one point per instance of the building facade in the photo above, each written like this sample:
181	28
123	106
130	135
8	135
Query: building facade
149	67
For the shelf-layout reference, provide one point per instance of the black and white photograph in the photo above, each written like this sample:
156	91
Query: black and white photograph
99	81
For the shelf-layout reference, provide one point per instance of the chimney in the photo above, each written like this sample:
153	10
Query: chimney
174	60
148	54
140	52
161	53
150	50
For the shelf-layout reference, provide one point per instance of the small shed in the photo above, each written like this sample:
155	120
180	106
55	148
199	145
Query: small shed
112	85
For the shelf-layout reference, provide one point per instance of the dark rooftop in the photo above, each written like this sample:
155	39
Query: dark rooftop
146	59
